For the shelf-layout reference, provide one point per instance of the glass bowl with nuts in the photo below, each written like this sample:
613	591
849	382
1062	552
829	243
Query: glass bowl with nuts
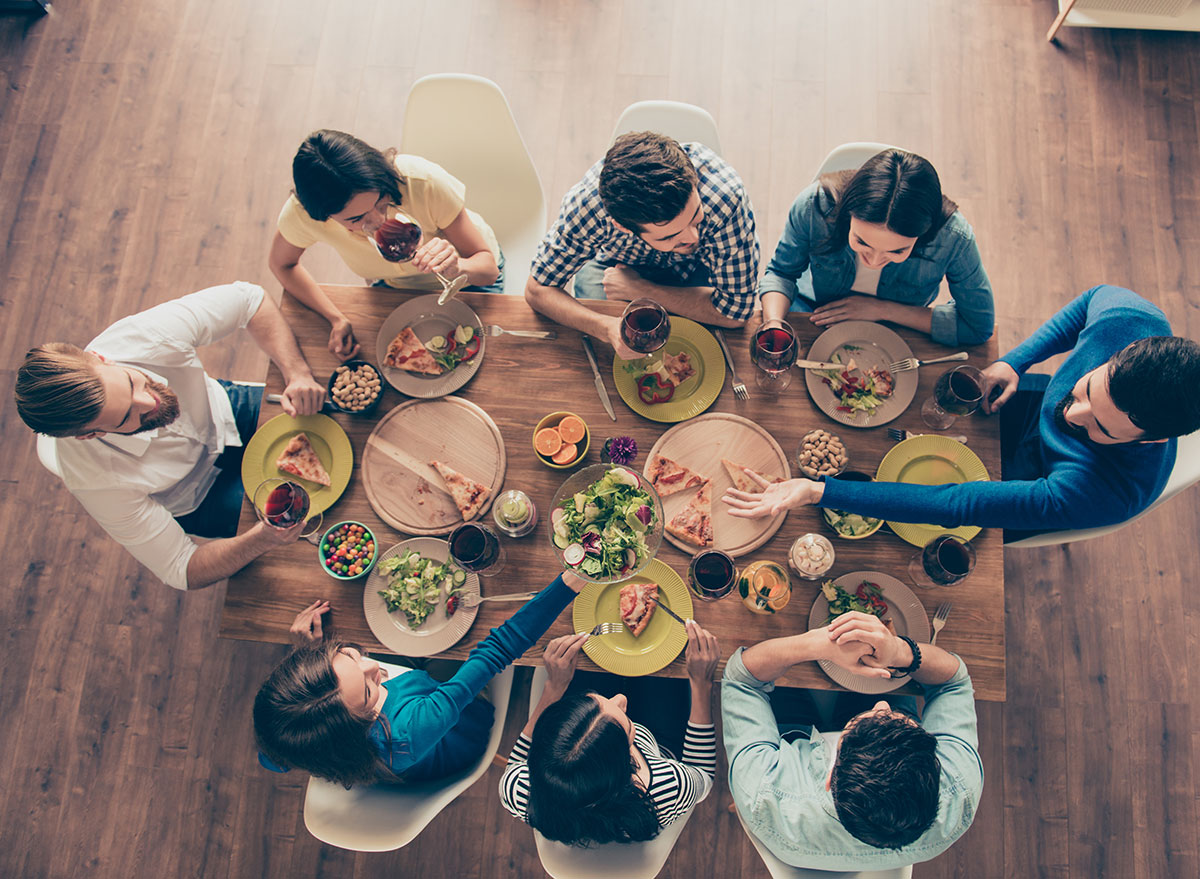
355	387
821	454
811	556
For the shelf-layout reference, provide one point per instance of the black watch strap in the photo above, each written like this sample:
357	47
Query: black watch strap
916	660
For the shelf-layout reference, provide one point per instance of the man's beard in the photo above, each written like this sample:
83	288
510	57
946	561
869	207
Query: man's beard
1060	419
167	411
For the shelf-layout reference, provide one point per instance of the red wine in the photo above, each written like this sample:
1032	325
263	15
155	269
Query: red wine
643	320
398	240
711	574
474	546
958	392
774	349
946	560
646	329
775	341
286	505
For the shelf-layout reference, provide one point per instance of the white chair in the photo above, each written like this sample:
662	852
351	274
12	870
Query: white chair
47	452
381	818
464	123
850	156
1186	472
686	123
638	860
779	870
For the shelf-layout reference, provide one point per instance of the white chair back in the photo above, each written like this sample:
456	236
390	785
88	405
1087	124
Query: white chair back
1185	473
850	156
381	818
686	123
779	870
47	452
464	123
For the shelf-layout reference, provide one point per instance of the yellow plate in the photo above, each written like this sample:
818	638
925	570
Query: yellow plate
328	440
931	460
657	646
694	395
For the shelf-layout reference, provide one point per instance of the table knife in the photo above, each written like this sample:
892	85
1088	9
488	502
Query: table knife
600	389
818	364
670	612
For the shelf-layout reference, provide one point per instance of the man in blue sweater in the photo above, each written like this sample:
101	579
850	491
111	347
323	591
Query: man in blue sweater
1091	445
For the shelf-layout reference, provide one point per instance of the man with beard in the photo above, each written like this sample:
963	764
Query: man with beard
1091	445
150	444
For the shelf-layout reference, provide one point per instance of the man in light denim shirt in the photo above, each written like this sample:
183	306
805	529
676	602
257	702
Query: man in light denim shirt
891	792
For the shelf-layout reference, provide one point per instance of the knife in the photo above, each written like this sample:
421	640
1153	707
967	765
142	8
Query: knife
818	364
327	408
591	356
670	612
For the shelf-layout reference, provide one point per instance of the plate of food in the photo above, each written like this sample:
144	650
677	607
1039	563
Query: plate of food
651	639
413	598
311	448
931	459
430	465
692	465
863	393
875	593
677	382
426	350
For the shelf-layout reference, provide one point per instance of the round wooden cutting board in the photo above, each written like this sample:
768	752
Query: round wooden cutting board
700	444
404	489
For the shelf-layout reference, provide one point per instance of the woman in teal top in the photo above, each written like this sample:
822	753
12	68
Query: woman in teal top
875	244
328	710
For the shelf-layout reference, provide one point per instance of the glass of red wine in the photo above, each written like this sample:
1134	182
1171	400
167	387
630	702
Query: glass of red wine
774	351
959	391
946	560
645	326
711	574
397	239
281	503
476	548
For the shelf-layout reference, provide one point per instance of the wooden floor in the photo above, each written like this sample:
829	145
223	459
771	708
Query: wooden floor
146	148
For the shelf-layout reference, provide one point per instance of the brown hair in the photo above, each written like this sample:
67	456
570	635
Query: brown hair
58	391
331	167
647	178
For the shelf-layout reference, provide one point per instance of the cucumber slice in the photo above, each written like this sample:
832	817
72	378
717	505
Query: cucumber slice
463	334
460	577
561	541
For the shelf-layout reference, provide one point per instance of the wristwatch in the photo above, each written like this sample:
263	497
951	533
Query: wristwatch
916	659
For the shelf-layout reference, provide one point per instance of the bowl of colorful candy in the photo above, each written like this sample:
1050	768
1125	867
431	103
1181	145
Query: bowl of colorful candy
347	551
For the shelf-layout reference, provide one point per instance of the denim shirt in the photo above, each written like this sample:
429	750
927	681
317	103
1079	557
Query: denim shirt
779	787
796	268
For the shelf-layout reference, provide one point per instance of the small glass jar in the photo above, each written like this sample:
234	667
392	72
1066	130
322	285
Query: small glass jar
765	587
515	513
811	556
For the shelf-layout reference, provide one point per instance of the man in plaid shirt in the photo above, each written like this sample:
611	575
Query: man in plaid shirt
657	219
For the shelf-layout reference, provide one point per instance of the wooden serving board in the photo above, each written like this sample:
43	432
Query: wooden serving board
403	488
700	444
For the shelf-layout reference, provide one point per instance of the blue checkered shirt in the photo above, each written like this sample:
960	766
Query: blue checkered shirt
728	248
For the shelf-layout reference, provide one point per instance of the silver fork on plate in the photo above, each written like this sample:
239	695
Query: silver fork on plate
607	629
895	433
939	619
493	330
912	363
739	389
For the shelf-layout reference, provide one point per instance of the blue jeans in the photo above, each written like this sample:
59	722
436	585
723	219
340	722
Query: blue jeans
1021	438
218	513
589	280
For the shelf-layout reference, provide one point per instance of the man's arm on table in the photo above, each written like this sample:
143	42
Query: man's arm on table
301	393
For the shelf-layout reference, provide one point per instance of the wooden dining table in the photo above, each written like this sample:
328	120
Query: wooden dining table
519	381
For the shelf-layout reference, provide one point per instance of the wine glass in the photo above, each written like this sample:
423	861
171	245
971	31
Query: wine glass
959	391
398	239
476	548
711	574
281	503
946	560
773	351
645	326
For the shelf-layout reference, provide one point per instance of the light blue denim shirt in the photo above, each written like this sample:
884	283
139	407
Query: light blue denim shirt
779	787
798	271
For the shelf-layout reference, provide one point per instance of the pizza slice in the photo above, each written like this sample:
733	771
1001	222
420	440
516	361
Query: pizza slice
300	459
742	482
636	604
406	352
668	477
468	495
679	367
693	524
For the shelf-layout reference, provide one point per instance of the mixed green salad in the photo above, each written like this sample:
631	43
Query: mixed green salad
868	598
602	529
850	524
858	389
416	585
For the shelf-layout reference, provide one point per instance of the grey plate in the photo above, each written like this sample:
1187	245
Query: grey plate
428	319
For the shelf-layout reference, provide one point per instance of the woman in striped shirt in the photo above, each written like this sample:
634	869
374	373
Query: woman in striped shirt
583	773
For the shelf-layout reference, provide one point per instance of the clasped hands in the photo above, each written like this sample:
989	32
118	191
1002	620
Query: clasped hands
862	644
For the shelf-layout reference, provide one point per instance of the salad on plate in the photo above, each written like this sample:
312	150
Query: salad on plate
417	585
867	598
602	529
859	388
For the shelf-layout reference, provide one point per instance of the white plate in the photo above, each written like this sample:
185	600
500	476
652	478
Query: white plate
877	346
438	632
428	319
907	615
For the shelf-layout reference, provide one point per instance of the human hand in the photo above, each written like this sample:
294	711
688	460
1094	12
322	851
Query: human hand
269	537
884	649
612	332
306	628
437	255
302	396
703	653
998	375
850	308
774	498
560	658
622	283
342	343
574	582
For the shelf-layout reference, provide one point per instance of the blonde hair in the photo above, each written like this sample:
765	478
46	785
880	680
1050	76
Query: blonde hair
58	390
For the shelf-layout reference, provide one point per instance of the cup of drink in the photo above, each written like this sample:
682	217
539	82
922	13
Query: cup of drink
946	560
476	548
281	503
515	513
645	326
711	574
959	391
774	351
765	587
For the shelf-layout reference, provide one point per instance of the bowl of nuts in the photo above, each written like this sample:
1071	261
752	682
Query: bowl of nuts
821	454
355	387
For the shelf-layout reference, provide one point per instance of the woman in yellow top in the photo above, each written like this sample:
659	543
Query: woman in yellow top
344	189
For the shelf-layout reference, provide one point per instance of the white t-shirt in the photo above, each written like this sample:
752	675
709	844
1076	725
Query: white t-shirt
866	279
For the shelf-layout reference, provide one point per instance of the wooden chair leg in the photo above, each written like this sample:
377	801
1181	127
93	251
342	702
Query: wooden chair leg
1067	6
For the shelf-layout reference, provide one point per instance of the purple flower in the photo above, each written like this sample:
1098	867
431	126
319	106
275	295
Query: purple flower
622	449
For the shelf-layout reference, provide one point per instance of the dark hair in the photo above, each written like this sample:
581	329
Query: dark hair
58	391
647	178
1153	381
581	788
331	167
885	782
894	188
300	720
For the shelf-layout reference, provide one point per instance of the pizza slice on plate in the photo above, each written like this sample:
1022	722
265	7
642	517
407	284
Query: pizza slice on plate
693	524
668	477
742	482
300	459
637	603
407	352
468	495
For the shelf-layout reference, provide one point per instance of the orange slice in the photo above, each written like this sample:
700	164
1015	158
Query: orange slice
547	441
571	429
566	454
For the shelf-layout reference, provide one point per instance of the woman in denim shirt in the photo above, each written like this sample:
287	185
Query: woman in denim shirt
874	244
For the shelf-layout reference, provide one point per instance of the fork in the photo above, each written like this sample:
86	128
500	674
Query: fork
939	619
896	434
493	330
739	389
912	363
607	629
472	599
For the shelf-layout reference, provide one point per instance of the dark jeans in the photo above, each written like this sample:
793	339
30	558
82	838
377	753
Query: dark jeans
218	513
662	705
1020	438
589	280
